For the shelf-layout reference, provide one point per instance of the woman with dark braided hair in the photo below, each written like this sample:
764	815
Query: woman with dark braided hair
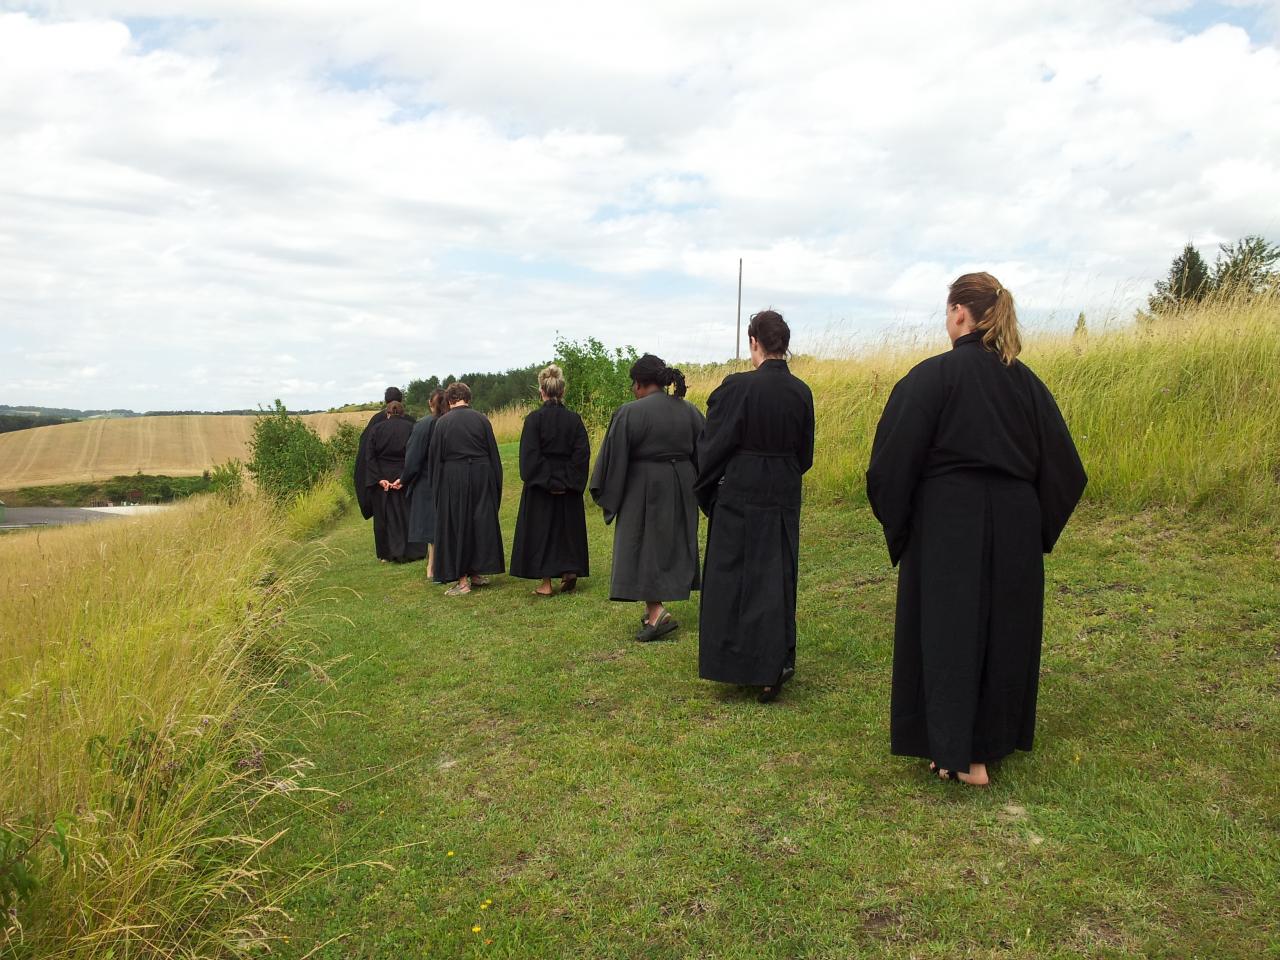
973	476
757	445
644	479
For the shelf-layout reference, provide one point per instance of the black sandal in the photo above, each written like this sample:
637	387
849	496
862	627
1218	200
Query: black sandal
656	631
569	584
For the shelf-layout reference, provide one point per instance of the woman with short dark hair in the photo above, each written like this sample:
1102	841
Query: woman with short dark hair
466	478
643	479
551	528
973	476
756	446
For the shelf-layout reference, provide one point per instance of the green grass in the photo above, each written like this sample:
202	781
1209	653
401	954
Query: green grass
601	801
149	488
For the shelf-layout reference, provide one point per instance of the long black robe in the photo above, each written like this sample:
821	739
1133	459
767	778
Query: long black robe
644	478
551	528
384	460
466	478
417	482
361	479
757	444
973	475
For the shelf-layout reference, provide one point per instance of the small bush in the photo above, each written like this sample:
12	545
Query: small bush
343	447
227	479
288	457
598	378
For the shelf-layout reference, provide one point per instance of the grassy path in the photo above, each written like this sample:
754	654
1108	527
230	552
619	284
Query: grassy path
540	785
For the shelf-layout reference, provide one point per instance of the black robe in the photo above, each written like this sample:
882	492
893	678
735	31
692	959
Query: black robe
973	475
466	478
644	478
551	528
757	444
384	460
417	482
361	479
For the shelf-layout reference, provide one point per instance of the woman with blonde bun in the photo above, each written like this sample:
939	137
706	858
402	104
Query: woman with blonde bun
551	527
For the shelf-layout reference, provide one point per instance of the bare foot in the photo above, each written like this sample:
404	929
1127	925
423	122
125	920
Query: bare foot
975	776
544	588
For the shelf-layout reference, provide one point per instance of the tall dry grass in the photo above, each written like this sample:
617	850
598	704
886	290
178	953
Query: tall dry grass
138	662
509	421
1179	409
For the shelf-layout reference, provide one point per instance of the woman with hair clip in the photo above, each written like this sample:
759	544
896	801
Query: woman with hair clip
416	479
973	476
644	480
384	453
551	528
466	479
757	444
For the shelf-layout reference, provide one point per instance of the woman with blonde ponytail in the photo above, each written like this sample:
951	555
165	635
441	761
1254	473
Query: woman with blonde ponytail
973	476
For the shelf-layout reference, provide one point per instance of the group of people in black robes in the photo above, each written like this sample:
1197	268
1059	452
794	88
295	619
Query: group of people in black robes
973	476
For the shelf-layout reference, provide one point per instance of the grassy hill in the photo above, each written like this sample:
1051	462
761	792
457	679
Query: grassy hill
363	767
97	449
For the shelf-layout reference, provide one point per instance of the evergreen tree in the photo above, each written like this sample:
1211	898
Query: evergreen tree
1188	282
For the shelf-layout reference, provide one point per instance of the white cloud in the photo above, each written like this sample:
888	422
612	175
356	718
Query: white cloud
312	199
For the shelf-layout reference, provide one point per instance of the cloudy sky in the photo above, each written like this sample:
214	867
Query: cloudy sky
214	203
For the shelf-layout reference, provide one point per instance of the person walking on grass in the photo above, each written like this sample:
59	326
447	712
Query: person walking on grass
973	476
384	463
466	480
416	479
551	528
643	480
756	446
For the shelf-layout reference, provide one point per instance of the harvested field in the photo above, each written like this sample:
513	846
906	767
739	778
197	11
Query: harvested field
99	449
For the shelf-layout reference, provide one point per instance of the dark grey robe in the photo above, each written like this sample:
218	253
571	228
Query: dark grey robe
973	475
466	478
417	481
757	444
644	478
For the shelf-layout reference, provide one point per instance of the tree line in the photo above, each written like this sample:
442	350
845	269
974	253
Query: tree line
1244	269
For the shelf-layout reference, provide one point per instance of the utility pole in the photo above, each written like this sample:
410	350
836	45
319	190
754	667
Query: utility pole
737	350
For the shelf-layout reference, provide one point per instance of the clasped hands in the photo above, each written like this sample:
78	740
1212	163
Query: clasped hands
390	485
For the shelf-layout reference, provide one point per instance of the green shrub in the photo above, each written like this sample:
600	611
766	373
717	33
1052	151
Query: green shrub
227	479
343	447
598	378
288	456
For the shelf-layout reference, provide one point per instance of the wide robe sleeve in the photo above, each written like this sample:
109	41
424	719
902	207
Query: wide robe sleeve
371	471
495	461
805	453
1060	475
535	470
903	438
435	463
359	479
609	481
720	438
579	459
415	455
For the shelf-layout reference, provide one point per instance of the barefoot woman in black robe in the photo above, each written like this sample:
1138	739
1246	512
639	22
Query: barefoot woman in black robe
973	475
551	528
757	444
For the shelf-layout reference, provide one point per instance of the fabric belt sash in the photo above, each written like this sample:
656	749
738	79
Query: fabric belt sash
665	458
771	454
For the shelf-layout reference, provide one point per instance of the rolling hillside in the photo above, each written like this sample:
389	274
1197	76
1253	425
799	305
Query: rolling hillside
97	449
